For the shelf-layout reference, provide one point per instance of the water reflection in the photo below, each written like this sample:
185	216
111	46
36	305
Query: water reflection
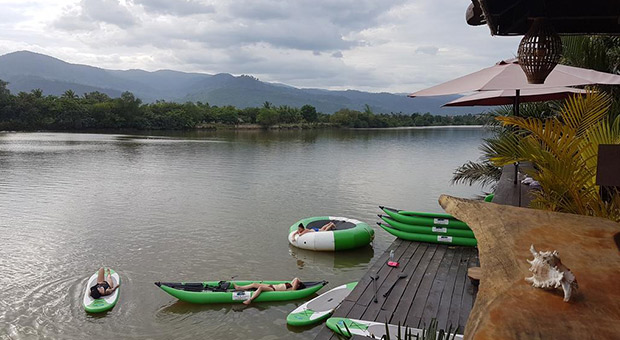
347	259
196	206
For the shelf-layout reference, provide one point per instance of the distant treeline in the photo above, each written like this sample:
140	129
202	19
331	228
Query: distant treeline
96	110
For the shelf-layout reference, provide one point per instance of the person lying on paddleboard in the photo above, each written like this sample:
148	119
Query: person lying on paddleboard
105	284
302	230
261	287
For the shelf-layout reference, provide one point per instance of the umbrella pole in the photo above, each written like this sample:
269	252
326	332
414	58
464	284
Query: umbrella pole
515	109
515	112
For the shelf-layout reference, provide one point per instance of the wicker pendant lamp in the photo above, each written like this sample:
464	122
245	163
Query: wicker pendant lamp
539	51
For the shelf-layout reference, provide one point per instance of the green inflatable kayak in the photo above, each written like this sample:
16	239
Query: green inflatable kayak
321	307
457	241
434	230
223	291
103	303
422	218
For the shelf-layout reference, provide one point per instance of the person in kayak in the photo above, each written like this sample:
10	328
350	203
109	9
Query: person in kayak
261	287
302	230
105	284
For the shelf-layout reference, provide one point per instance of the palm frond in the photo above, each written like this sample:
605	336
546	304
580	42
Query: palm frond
484	173
582	112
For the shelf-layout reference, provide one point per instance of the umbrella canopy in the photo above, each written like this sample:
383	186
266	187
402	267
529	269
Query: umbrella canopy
507	97
508	75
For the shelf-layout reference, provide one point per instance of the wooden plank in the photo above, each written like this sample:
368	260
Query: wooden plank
325	334
457	297
392	277
431	308
395	296
506	191
414	315
400	313
368	295
448	295
436	286
357	311
509	193
468	294
364	283
344	308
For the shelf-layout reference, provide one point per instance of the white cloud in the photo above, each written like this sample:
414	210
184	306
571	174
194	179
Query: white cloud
394	45
176	7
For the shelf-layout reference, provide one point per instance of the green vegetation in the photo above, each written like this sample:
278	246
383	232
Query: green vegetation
96	110
563	150
560	139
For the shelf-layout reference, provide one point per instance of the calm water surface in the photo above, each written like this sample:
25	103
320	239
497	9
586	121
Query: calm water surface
192	207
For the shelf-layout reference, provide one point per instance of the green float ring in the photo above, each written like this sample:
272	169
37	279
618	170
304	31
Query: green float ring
356	234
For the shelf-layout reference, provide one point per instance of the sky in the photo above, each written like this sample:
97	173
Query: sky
397	46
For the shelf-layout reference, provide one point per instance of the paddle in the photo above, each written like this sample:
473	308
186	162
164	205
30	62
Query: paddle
400	276
374	281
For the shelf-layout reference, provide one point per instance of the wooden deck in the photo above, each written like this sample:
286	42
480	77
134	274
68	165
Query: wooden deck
436	286
510	193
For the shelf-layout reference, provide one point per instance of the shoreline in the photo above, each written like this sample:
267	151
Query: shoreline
256	127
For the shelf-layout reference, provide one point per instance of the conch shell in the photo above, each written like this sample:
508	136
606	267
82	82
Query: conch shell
550	273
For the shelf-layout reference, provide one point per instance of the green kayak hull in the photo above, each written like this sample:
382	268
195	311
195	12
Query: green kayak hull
434	230
412	217
231	296
457	241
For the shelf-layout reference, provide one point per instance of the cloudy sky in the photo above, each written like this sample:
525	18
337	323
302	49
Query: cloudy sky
369	45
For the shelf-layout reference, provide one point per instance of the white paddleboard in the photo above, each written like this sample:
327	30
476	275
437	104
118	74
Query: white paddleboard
104	303
321	307
373	330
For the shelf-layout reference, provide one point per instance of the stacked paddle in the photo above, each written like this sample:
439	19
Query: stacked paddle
426	227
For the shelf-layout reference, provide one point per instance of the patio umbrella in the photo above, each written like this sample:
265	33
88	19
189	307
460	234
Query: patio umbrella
508	75
507	97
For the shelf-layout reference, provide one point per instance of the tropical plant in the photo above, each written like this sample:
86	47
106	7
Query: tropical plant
601	53
483	172
563	151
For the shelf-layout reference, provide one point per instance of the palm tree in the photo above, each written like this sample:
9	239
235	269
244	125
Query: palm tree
484	171
600	53
563	150
37	93
69	94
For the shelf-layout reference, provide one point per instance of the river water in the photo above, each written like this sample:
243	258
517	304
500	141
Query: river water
194	207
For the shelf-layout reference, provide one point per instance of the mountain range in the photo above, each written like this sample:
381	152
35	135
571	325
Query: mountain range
26	71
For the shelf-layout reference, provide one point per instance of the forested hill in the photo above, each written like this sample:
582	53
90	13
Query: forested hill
26	71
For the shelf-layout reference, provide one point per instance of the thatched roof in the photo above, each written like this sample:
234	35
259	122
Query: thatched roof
513	17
